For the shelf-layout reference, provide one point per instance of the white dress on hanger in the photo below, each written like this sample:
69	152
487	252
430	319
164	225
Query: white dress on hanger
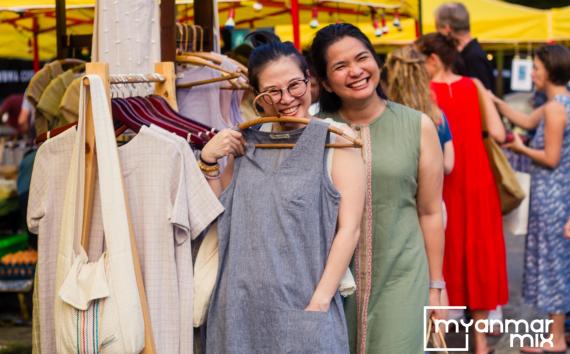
126	35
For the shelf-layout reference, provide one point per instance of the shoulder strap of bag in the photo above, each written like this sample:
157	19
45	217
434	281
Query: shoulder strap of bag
115	214
482	111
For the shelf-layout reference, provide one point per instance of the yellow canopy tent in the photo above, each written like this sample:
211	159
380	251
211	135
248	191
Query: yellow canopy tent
495	21
559	24
22	21
492	21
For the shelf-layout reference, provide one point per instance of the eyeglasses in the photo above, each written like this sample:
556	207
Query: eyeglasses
296	88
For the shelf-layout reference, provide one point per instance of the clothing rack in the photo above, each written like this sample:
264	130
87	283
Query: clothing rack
164	80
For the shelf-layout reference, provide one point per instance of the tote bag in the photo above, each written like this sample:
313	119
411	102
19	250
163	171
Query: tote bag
97	305
517	220
511	193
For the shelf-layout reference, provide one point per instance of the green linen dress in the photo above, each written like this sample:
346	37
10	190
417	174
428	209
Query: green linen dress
385	315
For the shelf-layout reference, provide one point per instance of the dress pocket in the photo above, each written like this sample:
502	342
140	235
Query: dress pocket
309	332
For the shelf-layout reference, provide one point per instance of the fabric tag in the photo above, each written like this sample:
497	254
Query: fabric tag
279	136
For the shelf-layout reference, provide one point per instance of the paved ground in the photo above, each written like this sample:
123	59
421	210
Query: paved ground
17	335
516	309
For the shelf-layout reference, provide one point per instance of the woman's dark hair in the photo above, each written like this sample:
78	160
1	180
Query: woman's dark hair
445	47
325	37
556	60
267	48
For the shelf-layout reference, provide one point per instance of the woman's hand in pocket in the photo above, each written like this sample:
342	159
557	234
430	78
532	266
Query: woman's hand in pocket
318	304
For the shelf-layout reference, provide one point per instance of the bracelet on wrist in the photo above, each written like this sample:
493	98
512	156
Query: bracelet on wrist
206	168
437	284
213	177
208	163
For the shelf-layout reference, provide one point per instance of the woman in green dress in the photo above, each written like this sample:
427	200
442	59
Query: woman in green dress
398	262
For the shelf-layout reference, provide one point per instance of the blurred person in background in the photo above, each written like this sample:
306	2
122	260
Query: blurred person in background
475	267
452	19
407	82
546	283
14	113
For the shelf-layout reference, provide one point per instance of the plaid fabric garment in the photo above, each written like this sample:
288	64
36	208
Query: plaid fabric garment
170	202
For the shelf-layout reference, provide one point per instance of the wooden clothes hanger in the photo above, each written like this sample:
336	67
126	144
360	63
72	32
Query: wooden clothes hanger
226	75
354	142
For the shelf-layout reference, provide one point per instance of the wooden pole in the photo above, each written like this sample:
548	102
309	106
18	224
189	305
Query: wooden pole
204	17
500	83
167	30
60	28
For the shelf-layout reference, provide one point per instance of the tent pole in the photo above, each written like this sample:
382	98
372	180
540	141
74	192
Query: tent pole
420	19
295	23
35	45
204	16
60	28
168	30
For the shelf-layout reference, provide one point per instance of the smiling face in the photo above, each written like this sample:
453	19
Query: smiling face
352	72
285	74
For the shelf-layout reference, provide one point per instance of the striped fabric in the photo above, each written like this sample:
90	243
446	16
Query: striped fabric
87	329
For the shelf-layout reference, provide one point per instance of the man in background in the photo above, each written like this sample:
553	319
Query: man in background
452	19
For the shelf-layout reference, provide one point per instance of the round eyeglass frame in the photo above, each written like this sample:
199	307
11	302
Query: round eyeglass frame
266	96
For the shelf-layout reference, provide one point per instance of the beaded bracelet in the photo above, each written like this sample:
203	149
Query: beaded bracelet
208	163
206	168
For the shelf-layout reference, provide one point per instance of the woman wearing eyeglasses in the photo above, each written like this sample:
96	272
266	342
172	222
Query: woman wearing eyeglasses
291	222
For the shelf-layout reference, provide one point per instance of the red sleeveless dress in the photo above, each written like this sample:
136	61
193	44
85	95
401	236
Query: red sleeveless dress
474	262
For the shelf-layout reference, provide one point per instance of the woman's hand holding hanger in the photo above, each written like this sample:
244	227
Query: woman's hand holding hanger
226	142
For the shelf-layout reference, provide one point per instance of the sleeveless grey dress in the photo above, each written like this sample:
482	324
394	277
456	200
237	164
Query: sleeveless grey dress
274	238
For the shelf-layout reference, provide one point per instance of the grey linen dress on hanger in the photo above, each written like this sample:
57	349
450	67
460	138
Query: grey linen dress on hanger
275	237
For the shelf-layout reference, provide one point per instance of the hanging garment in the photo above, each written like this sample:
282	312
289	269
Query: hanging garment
230	100
41	79
36	88
48	106
169	204
69	105
153	178
274	239
210	208
200	103
45	206
97	306
126	35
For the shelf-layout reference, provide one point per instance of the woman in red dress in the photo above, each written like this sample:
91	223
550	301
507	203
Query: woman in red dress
474	262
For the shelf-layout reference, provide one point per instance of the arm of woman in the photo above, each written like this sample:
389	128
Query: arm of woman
495	126
430	185
448	157
523	120
227	142
554	124
349	178
567	229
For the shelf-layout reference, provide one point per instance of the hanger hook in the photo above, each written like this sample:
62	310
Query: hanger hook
272	103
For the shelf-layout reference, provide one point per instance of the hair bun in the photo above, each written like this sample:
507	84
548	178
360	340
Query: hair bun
451	41
259	38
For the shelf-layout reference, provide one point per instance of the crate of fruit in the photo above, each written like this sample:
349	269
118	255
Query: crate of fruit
19	265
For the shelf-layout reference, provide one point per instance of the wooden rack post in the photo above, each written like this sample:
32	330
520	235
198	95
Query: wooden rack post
166	89
102	69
